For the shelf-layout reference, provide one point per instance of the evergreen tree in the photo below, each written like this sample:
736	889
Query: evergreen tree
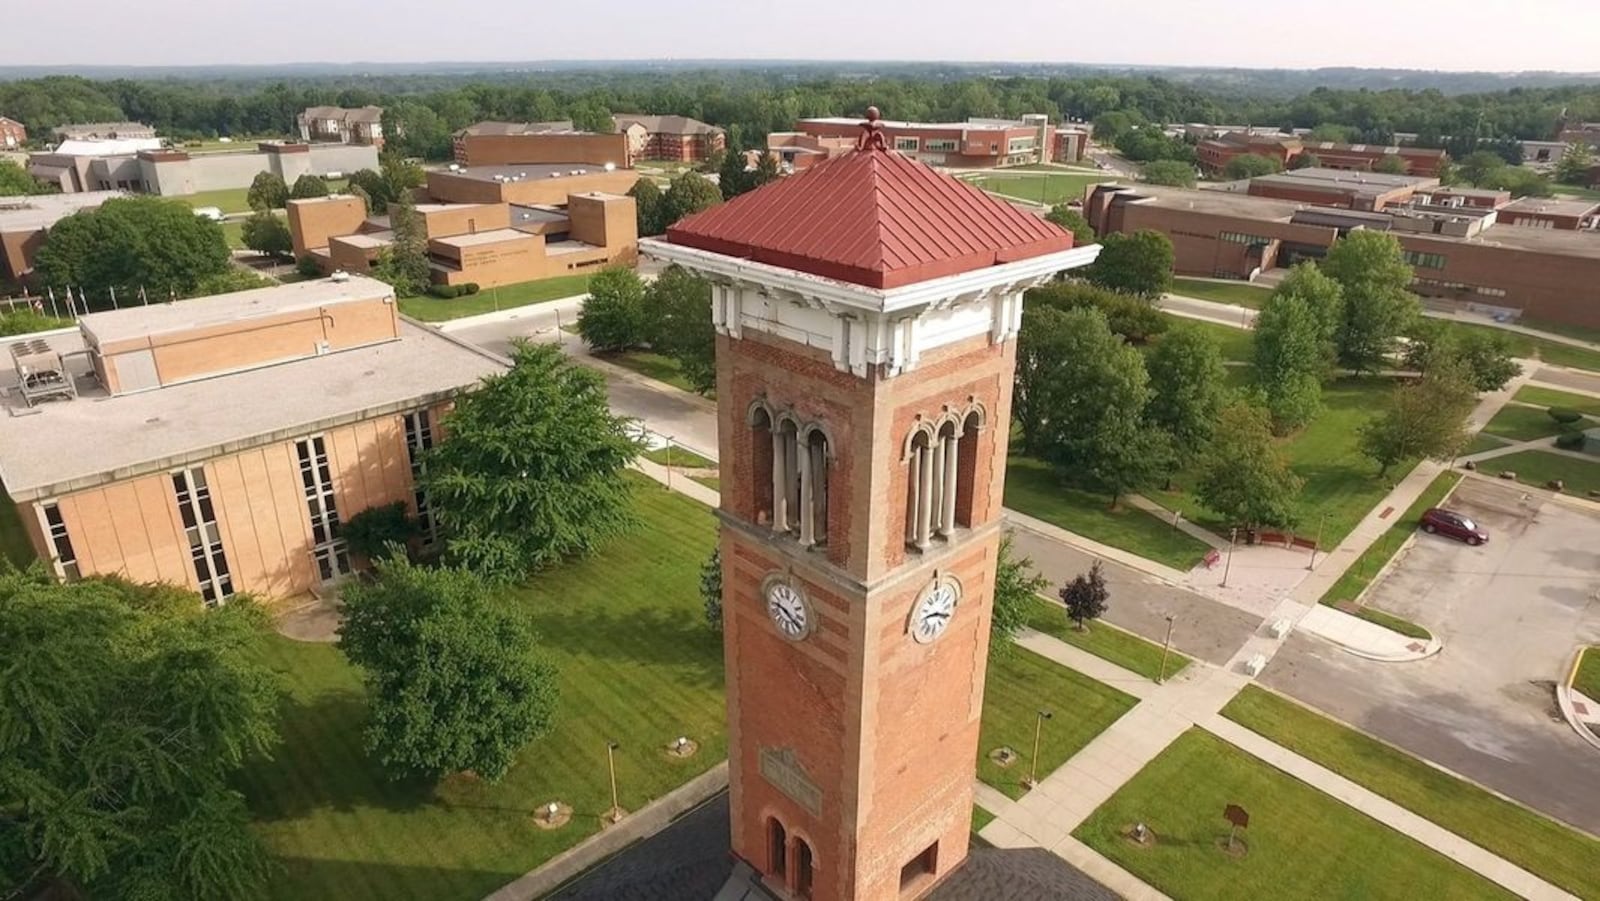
652	207
689	193
711	589
267	192
732	178
404	263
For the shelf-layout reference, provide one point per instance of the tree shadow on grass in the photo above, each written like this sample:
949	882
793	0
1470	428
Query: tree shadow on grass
304	877
659	638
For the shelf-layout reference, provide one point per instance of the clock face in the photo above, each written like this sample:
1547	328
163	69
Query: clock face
787	607
933	613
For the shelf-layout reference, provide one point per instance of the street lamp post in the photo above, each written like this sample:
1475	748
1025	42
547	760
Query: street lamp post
611	763
1033	762
1321	521
669	461
1233	535
1166	648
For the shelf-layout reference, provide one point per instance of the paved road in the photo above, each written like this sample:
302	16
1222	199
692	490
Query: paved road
1568	378
1510	614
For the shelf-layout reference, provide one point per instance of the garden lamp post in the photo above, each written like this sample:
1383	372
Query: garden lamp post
1166	648
1233	535
1033	762
611	763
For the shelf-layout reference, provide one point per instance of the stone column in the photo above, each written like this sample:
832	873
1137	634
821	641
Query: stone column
913	493
947	510
780	482
791	471
925	497
807	487
936	499
819	494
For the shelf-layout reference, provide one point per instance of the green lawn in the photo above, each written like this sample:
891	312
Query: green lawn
439	309
1587	678
233	233
1577	191
1550	397
1582	333
1238	344
1020	684
1518	423
980	818
1241	294
637	665
1537	468
679	456
651	365
1480	443
1537	844
712	482
228	200
14	543
1049	188
1106	641
1032	488
1549	351
1302	843
1355	579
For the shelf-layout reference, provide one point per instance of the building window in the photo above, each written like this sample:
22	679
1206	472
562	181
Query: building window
790	463
921	865
906	145
1020	145
62	555
328	550
941	461
941	145
1242	238
419	438
777	848
802	868
199	516
1424	260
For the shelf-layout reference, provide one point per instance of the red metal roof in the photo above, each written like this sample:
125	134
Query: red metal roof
873	218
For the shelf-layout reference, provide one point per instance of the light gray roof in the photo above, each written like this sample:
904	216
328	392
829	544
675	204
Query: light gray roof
44	210
671	125
371	114
101	128
64	446
491	127
186	315
1551	207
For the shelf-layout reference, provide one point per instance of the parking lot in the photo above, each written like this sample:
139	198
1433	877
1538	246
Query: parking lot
1510	614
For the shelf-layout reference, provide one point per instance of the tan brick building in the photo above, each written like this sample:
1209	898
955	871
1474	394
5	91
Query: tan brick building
675	138
25	221
864	367
538	143
218	443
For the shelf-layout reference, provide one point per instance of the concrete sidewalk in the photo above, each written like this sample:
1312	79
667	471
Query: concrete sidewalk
1089	546
1366	639
1171	516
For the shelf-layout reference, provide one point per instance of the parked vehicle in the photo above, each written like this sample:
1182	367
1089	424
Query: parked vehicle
1453	525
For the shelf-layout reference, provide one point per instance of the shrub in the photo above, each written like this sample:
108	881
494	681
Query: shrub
1571	440
1564	415
370	532
21	322
308	266
469	288
1130	317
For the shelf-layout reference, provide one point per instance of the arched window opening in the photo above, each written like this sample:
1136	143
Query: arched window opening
967	470
761	460
919	491
777	848
814	522
802	868
800	482
941	468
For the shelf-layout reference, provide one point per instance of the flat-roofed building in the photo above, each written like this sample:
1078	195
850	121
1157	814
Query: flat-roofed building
219	443
1461	196
143	165
1214	154
25	221
103	131
1461	256
675	138
975	143
1547	212
530	143
528	183
1340	187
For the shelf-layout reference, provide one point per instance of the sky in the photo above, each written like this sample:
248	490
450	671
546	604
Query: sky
1418	34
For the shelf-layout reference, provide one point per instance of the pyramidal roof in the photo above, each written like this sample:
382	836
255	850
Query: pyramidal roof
871	217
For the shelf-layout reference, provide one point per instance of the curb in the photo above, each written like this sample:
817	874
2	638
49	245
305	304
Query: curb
1433	647
505	315
1564	695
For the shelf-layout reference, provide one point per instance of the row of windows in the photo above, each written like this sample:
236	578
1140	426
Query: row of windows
66	558
1242	238
1424	260
1440	284
941	145
205	539
419	437
328	549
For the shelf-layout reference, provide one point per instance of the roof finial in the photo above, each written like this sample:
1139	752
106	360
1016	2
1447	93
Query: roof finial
871	132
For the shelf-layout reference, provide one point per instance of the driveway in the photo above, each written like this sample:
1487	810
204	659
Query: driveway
1509	614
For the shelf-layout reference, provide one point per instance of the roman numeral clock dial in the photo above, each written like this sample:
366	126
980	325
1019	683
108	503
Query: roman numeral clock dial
934	610
789	610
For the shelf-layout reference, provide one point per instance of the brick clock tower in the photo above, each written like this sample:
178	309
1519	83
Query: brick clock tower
866	315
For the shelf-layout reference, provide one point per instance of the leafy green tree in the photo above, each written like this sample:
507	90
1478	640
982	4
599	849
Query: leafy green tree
130	243
1242	475
678	321
651	205
372	532
1168	172
1073	221
711	589
532	472
1252	165
230	280
1086	597
1484	356
732	178
267	233
307	186
1426	417
1391	164
1572	169
1016	588
267	192
1129	317
127	713
1378	304
1149	143
1305	161
1480	168
689	193
1330	131
1290	360
454	674
1521	182
404	263
1187	387
1324	297
374	186
612	317
15	181
400	177
1139	264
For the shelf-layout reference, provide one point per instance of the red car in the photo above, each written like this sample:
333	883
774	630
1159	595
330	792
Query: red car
1447	522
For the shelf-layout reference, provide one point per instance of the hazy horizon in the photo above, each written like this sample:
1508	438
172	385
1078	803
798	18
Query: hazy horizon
1380	34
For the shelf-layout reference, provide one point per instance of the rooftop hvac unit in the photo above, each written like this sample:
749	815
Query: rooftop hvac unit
40	372
339	275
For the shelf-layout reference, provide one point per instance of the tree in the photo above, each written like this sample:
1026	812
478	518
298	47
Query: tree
1290	360
651	205
404	263
1521	182
373	532
374	186
711	589
1073	221
532	472
1129	317
1187	387
1480	168
267	192
1139	264
1573	167
129	243
1252	165
678	322
612	317
1086	597
127	714
1485	356
15	181
766	171
1324	297
308	186
266	232
1305	161
1168	172
733	179
400	177
1016	588
1378	304
454	676
689	193
1242	475
1391	164
1426	417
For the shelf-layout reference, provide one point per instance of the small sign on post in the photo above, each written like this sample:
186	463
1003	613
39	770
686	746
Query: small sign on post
1237	819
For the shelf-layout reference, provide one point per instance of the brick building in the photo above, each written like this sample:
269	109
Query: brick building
12	134
538	143
1342	188
675	138
975	143
1214	154
1546	212
218	443
1464	257
339	125
25	222
866	312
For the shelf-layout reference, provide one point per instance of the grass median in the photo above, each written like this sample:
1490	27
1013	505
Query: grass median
1539	468
1241	294
1105	641
1587	678
1349	587
488	300
1534	842
1301	843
